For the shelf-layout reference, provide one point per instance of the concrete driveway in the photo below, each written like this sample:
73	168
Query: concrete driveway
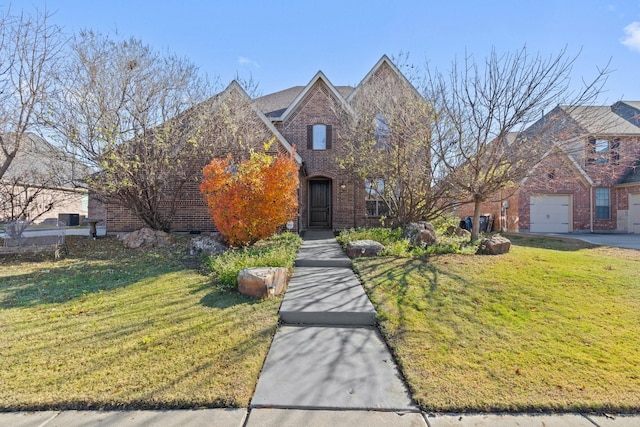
628	241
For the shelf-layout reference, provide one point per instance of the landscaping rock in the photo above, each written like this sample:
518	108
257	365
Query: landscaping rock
146	237
452	230
420	233
364	248
262	282
207	245
496	245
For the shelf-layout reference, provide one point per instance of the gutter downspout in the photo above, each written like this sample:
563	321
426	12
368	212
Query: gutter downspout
591	208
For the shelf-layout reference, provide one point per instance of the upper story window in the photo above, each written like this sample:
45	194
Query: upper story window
381	132
603	151
319	137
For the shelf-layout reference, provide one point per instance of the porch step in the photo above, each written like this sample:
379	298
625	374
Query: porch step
320	249
326	296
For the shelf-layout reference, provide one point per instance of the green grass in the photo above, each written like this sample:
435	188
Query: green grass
277	251
109	327
396	245
551	326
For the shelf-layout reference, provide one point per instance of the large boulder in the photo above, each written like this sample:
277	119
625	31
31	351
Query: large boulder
207	245
364	248
452	230
146	238
495	245
420	233
262	282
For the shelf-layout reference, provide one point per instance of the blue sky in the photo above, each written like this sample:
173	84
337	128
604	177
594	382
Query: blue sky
284	43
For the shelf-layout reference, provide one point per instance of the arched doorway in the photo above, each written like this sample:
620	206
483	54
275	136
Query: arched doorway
320	203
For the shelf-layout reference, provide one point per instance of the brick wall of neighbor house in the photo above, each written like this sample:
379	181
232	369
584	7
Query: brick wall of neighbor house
97	209
508	216
320	107
620	198
555	175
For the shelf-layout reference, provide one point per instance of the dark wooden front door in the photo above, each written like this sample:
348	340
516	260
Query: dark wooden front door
320	203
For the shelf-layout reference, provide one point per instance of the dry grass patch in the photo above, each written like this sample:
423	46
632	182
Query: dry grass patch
552	325
109	327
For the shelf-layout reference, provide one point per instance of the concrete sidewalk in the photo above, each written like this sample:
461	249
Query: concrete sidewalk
327	366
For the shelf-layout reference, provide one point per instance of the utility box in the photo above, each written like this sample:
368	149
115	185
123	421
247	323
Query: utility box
69	219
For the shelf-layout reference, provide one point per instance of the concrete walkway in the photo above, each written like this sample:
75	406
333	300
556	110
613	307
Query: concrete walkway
327	366
328	356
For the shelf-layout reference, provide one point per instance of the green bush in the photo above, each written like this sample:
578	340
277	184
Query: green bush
277	251
396	245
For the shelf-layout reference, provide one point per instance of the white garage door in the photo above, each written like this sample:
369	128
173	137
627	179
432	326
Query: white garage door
634	213
550	213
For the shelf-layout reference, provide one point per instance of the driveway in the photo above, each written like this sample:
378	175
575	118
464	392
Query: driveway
628	241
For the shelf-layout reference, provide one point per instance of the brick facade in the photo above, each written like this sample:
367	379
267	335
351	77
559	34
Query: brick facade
575	171
286	115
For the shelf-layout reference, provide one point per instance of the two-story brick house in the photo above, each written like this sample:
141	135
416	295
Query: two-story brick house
589	181
308	118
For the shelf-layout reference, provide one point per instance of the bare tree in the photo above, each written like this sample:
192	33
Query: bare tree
479	114
133	114
387	143
30	50
40	179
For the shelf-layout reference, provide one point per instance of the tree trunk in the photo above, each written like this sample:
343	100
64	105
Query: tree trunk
475	229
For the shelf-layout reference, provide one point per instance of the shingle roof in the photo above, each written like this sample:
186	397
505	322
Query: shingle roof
274	104
631	175
628	110
40	163
601	120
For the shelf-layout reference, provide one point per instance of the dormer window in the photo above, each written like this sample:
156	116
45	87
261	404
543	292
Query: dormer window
319	137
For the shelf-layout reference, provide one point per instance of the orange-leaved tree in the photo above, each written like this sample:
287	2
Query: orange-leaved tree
250	200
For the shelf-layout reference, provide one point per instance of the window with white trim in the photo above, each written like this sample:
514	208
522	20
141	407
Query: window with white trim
603	203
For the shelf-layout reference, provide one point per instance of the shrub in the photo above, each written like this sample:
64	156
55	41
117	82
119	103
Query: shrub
396	245
277	251
249	201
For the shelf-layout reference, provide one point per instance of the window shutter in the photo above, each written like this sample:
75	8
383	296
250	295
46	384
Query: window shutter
310	137
591	151
615	151
329	132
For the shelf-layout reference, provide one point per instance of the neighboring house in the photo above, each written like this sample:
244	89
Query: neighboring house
42	184
309	119
589	181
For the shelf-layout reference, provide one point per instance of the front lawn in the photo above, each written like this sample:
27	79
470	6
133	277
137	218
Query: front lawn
109	327
552	325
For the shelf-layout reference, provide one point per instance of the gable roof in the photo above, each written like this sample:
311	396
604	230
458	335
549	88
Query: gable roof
234	86
384	61
319	77
274	105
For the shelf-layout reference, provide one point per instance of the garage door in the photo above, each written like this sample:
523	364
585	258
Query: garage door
634	213
550	213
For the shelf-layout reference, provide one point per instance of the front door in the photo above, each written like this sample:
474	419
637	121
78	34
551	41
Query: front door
320	203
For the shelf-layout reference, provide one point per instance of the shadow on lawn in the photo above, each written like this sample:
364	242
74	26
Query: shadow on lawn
92	266
549	242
